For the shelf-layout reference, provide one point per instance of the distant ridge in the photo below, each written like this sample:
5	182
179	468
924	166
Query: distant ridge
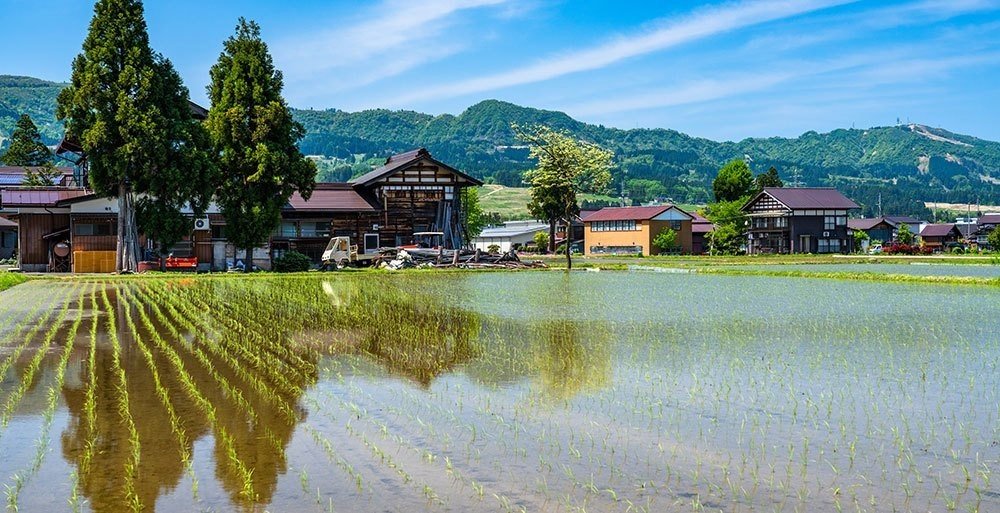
902	165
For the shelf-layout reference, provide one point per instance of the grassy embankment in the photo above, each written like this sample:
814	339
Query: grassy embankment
8	280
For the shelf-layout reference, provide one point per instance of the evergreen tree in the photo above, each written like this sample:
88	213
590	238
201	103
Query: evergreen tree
765	180
255	138
127	108
44	175
26	147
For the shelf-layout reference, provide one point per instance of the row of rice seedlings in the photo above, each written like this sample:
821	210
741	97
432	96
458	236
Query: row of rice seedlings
164	396
29	325
124	413
223	438
42	443
29	374
236	365
89	421
236	340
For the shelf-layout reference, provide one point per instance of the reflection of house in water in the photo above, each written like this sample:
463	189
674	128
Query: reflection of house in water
259	438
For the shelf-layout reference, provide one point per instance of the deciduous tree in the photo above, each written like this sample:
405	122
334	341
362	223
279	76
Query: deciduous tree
566	167
255	138
733	181
129	111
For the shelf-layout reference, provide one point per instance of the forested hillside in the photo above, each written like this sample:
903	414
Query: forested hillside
905	164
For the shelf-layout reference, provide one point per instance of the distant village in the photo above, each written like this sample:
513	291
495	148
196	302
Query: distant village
66	227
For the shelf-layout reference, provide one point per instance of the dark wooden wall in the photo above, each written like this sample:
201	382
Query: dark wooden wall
32	227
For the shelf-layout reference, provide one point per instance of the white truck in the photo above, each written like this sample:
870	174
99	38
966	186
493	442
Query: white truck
340	253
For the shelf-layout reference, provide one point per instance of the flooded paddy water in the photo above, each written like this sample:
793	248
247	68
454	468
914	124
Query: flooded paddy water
534	391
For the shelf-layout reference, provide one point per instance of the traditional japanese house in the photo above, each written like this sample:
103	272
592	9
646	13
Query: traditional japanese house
877	228
700	228
986	224
939	237
417	193
43	218
798	220
631	230
333	210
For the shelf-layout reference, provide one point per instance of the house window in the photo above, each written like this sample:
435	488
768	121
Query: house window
218	232
829	223
316	229
95	229
613	226
675	226
288	229
828	246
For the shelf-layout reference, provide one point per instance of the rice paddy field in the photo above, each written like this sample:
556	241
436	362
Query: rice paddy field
529	391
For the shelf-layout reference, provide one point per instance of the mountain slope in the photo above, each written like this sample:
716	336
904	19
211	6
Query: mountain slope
899	166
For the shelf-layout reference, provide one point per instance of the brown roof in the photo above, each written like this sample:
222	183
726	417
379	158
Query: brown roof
902	219
989	219
869	223
939	230
402	161
628	213
39	196
810	197
335	197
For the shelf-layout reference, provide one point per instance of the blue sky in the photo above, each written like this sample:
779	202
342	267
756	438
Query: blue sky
722	70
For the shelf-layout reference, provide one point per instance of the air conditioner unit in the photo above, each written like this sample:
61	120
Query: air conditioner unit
202	224
826	234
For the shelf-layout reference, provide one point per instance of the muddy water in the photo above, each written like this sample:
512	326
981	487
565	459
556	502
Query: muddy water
509	392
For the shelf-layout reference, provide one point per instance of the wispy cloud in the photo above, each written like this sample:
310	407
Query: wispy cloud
664	35
392	27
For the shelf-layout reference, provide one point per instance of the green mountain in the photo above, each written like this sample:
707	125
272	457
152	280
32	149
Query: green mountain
37	98
899	166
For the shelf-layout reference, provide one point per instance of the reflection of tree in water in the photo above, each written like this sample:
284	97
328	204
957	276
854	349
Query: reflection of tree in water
571	357
412	335
260	440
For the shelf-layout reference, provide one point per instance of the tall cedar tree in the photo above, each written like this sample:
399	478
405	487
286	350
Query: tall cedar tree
127	108
255	139
765	180
26	147
566	167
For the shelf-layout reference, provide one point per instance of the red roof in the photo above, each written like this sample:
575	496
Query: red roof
627	213
39	196
938	230
869	223
337	197
810	198
989	219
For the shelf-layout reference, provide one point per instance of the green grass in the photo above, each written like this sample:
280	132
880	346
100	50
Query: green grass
512	202
8	280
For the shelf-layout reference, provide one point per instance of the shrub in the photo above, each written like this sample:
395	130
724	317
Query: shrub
291	262
493	249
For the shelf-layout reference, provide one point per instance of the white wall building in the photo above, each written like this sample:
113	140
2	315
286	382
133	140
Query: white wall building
512	233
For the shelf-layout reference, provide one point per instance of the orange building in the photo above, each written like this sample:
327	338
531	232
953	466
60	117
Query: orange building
631	230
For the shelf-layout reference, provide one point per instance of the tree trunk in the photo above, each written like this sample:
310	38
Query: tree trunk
248	264
552	235
569	242
127	253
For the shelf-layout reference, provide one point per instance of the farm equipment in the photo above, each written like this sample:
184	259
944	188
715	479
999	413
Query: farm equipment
340	253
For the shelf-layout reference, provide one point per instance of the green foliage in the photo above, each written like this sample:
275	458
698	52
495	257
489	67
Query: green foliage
44	175
8	280
733	181
493	249
730	225
291	262
127	107
994	239
666	241
859	238
255	138
765	180
475	219
26	147
643	190
566	167
541	240
34	97
904	235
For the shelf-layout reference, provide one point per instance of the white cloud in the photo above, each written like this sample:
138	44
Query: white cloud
392	26
668	33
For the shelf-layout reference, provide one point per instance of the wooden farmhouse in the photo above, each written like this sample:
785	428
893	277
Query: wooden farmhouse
631	230
878	228
939	237
798	220
8	238
68	228
986	224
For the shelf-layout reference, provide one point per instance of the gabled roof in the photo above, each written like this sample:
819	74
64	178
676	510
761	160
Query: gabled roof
39	196
333	197
902	219
869	223
402	161
967	229
939	230
513	231
989	219
808	198
7	223
630	213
